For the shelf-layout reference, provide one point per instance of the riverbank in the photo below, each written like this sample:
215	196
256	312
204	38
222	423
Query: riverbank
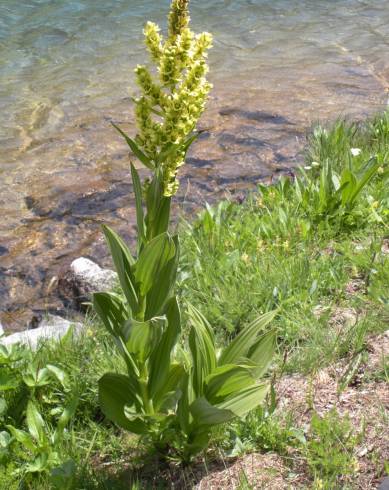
321	258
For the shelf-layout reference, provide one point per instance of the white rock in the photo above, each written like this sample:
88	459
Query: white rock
51	327
93	275
84	278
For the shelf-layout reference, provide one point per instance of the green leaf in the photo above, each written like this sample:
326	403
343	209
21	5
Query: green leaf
35	423
113	313
138	204
142	337
245	400
368	173
3	407
161	222
8	381
261	353
39	464
160	357
153	258
202	347
135	149
348	184
64	419
171	148
225	381
117	391
123	262
171	390
163	285
62	476
188	142
111	310
183	412
59	374
158	207
13	353
23	437
204	413
35	377
198	440
239	347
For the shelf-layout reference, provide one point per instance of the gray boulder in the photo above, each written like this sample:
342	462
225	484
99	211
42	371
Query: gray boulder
384	485
84	278
51	327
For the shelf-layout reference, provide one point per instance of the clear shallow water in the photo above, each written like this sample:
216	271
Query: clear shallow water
66	70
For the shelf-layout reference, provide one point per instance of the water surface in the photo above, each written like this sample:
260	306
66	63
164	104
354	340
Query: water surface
66	70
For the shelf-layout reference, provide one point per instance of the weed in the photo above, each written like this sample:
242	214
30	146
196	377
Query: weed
330	450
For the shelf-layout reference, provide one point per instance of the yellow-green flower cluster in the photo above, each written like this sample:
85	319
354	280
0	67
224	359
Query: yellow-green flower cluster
168	110
178	17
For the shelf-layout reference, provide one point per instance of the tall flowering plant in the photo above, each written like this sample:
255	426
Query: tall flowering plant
171	101
173	392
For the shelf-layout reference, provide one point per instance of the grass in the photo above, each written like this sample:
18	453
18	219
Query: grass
327	274
331	450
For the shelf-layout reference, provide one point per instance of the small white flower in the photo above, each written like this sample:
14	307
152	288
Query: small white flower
355	152
315	164
308	167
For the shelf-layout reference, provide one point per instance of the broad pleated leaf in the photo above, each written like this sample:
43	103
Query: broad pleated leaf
202	347
123	262
240	346
160	357
158	208
153	258
117	391
35	423
206	414
245	400
163	285
261	353
225	381
171	390
348	182
368	173
142	337
161	222
111	310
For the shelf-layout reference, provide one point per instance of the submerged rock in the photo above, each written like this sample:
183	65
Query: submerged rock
84	278
51	327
